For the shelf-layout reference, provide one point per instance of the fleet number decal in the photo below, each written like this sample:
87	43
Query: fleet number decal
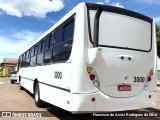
139	79
58	75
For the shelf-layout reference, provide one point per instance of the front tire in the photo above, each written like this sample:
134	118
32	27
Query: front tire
38	101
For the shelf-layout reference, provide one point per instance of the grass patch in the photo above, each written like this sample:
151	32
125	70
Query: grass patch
4	76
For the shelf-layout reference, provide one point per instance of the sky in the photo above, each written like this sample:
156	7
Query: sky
23	21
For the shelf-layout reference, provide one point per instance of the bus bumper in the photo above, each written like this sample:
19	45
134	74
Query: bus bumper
83	102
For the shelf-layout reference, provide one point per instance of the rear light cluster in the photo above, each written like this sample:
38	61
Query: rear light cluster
149	77
93	77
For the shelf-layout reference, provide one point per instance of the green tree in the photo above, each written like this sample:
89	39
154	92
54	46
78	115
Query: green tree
158	39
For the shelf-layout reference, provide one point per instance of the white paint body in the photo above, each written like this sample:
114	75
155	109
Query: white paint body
110	69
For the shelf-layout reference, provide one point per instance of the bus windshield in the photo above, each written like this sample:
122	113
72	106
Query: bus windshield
122	31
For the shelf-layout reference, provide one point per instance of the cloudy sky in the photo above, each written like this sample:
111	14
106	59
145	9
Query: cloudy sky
22	21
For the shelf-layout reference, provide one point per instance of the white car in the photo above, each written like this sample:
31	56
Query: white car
13	77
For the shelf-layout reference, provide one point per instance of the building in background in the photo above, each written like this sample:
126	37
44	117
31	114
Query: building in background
8	65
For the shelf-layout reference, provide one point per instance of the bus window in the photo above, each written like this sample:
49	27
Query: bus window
58	35
35	50
20	61
43	46
47	56
39	47
33	61
32	51
23	60
56	54
130	31
40	59
46	43
67	47
62	52
50	40
27	54
27	62
68	31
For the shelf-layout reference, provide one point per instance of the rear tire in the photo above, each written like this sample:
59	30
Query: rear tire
38	101
20	86
12	82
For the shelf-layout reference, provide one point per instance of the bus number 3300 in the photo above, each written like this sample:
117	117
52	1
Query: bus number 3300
58	75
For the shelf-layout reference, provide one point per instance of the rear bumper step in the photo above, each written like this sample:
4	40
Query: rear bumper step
103	102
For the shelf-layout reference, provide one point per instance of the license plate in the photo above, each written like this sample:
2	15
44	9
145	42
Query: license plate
124	88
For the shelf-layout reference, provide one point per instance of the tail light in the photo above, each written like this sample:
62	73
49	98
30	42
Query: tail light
93	99
92	77
151	73
89	70
149	78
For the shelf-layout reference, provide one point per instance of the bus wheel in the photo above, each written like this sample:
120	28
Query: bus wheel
12	82
38	101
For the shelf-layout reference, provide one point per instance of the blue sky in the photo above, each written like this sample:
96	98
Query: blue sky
23	21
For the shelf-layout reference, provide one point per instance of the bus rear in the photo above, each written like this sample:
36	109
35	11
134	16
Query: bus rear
124	64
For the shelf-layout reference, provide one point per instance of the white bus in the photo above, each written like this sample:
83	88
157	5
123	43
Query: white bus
96	58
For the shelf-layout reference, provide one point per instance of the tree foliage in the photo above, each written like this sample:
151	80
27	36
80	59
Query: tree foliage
158	39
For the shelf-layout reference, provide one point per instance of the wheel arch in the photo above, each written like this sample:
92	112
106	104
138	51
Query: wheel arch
19	78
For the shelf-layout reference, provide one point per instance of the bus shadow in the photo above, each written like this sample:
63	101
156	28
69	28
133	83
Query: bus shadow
153	110
29	93
65	115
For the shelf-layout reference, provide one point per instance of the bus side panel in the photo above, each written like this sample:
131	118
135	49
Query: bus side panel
83	103
54	84
54	96
26	82
80	78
